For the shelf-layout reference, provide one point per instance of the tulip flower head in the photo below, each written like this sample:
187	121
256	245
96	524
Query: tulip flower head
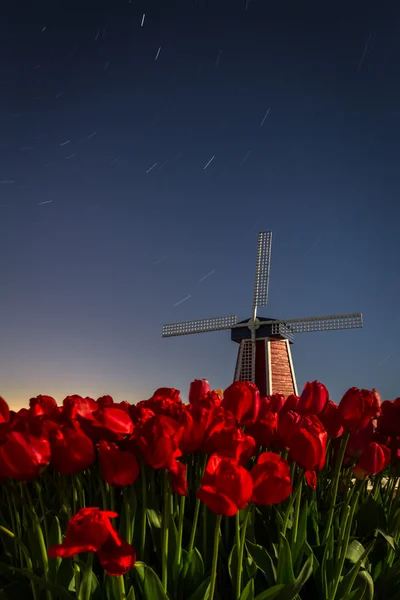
90	530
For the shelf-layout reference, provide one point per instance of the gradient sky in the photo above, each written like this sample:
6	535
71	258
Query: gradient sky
109	215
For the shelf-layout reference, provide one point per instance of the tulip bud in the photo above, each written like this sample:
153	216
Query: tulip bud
242	399
276	402
313	398
373	460
198	389
357	408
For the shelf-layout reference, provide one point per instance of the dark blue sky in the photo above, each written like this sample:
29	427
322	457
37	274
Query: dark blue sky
97	246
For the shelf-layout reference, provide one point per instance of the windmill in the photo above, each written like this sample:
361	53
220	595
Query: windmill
264	355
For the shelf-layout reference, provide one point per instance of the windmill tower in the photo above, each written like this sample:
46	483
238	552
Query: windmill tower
264	355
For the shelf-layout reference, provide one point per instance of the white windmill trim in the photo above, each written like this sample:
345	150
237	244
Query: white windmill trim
291	367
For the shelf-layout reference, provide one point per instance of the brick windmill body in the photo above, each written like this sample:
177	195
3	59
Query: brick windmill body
264	355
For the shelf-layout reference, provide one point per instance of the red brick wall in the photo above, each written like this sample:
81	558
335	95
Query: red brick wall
282	382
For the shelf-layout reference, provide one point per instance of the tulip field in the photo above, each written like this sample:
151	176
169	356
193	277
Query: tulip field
232	496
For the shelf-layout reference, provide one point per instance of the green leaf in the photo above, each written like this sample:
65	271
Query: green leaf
97	590
297	547
140	573
263	560
271	593
65	574
85	588
152	588
290	592
387	537
202	591
233	565
173	566
131	594
55	537
346	585
370	516
368	590
154	518
285	572
355	551
192	572
248	592
56	589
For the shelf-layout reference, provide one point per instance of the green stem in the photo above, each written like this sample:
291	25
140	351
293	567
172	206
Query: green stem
237	529
121	587
297	512
197	505
40	496
215	557
240	554
77	576
165	531
194	525
237	541
204	538
335	483
180	528
144	509
25	552
40	538
128	515
345	543
290	506
87	591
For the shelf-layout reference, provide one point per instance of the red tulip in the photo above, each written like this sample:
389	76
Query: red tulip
288	423
311	479
226	487
313	398
264	430
214	420
291	402
373	460
4	411
198	389
42	405
242	399
308	444
276	402
357	408
158	440
389	420
233	443
119	467
193	432
165	401
177	478
104	401
23	456
330	419
271	479
358	442
90	530
72	450
110	423
76	406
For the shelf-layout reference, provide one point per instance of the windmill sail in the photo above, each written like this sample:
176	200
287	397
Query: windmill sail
262	269
199	326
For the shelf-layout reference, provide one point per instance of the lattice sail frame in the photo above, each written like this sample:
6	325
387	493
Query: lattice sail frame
263	266
245	362
199	326
309	324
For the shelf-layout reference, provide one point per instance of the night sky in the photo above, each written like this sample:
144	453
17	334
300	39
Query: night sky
143	145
